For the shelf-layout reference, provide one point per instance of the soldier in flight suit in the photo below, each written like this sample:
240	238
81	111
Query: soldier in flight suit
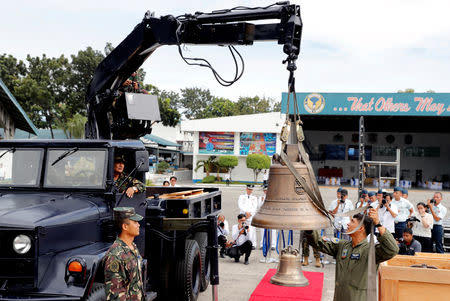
119	176
352	256
123	263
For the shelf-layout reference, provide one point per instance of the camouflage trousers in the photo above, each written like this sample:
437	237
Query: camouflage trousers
305	249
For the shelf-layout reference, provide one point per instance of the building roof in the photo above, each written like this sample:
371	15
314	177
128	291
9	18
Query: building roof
253	123
20	118
160	141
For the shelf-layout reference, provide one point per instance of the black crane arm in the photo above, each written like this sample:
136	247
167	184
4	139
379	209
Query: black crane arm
224	27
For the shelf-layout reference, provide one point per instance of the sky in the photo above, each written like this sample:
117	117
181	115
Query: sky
347	46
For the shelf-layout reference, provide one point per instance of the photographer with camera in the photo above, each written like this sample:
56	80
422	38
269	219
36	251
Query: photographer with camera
409	246
242	244
387	212
248	205
421	223
438	211
405	210
222	232
363	200
341	205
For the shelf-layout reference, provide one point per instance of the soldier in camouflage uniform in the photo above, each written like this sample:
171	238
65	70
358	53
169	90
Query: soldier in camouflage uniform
123	263
119	176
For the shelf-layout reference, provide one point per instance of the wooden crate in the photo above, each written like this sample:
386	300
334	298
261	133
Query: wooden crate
399	281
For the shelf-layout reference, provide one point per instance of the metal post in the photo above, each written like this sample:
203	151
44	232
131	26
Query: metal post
397	174
361	156
213	257
379	176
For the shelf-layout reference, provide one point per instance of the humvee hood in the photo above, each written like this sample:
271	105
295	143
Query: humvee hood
30	210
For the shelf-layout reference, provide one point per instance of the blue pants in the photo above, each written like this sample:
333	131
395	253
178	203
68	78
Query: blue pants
399	227
436	237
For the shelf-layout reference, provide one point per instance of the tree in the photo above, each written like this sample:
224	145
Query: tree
407	90
207	164
229	162
82	70
43	90
258	162
253	105
219	107
10	70
194	101
76	125
169	114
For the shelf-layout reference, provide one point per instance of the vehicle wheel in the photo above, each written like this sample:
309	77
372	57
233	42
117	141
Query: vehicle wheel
202	239
189	272
97	292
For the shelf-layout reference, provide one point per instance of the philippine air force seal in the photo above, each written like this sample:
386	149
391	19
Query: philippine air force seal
314	103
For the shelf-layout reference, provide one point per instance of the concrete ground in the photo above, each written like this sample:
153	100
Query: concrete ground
237	281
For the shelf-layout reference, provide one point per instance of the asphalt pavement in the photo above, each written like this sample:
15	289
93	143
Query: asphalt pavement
237	281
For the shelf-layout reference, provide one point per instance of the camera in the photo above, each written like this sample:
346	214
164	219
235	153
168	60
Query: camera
222	225
342	200
433	201
412	219
383	201
245	226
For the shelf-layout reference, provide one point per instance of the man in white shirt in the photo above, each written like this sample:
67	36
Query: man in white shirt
438	211
373	199
273	234
341	205
405	193
405	210
363	200
222	232
240	234
386	212
265	178
248	205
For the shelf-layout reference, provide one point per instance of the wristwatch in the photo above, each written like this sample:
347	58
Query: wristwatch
135	188
378	225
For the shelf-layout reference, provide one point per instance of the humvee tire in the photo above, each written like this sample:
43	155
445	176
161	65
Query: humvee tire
97	292
202	239
189	272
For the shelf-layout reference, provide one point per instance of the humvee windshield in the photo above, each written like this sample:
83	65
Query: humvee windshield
77	167
20	167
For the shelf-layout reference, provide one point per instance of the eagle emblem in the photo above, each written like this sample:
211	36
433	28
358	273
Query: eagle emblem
314	103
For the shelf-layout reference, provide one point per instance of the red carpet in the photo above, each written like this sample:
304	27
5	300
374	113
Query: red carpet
266	291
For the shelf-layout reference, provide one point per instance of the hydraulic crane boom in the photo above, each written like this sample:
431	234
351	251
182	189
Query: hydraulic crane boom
224	27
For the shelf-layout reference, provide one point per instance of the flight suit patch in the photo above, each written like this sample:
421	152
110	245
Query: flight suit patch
355	256
344	253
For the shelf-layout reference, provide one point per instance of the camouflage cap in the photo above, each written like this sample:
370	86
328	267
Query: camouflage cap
119	158
121	213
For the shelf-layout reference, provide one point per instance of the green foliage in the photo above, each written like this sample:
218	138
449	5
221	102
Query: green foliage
162	166
258	162
169	116
76	125
253	105
229	162
219	107
209	179
10	70
407	90
194	101
206	164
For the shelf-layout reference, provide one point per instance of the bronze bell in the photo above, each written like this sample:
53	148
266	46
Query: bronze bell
289	272
288	207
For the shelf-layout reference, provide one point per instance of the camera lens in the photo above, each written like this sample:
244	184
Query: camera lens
222	225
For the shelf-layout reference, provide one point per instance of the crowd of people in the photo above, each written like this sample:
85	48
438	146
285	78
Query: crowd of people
414	229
